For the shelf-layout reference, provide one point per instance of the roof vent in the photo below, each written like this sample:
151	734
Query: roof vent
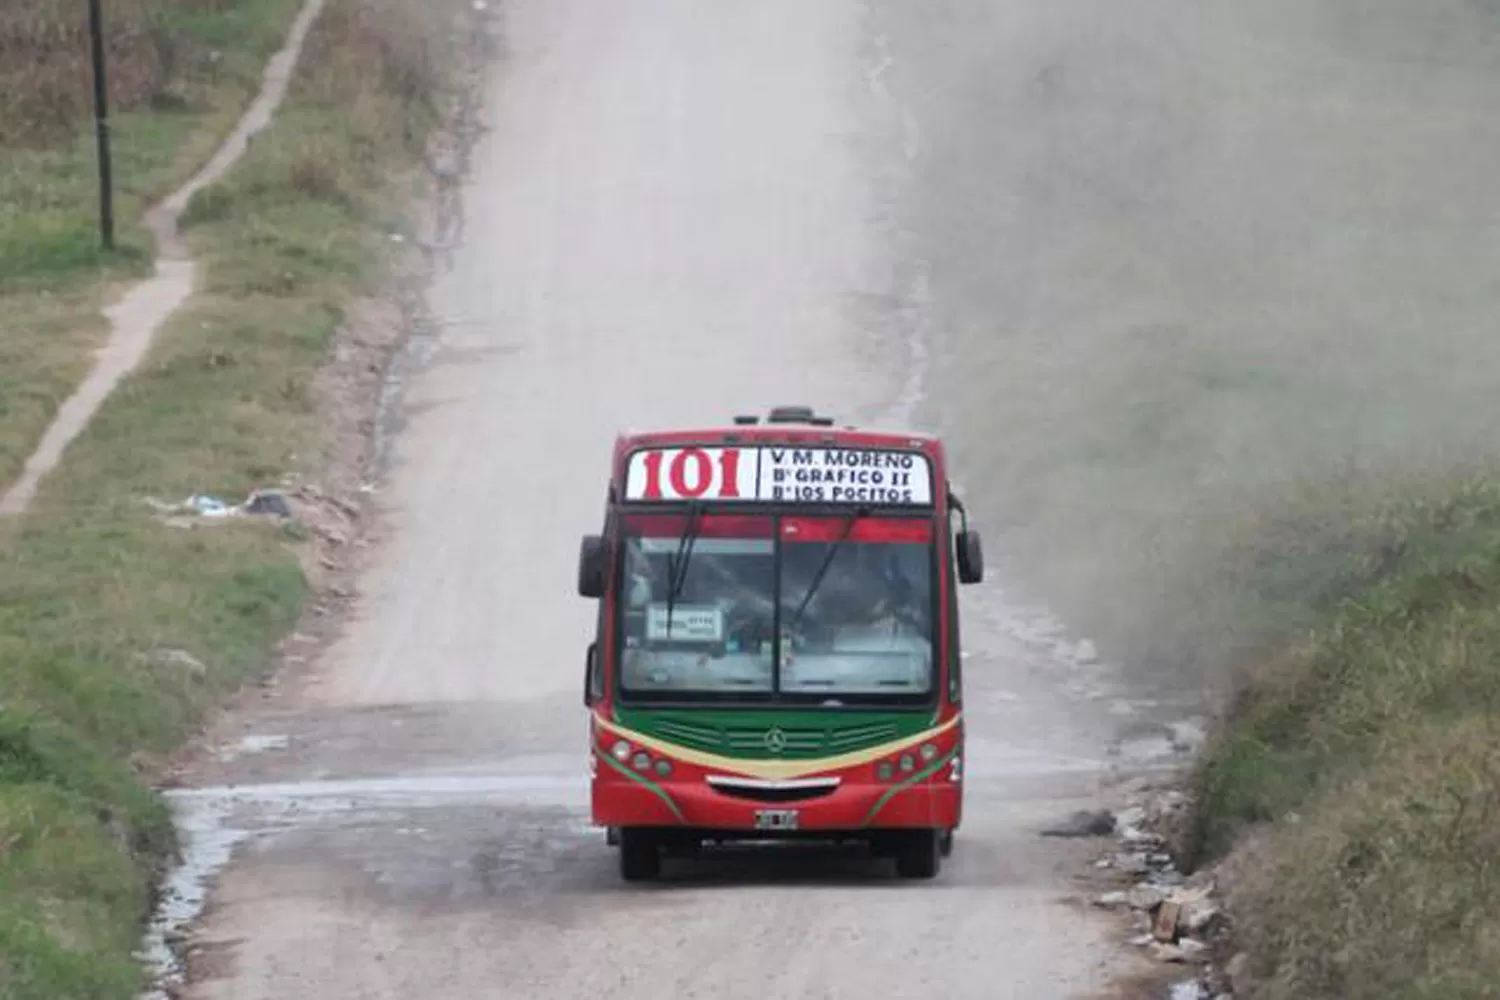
798	415
745	420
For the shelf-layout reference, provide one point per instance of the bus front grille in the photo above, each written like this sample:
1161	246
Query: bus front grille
773	740
794	742
773	791
859	737
690	734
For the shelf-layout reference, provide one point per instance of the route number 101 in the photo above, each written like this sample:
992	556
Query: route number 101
687	474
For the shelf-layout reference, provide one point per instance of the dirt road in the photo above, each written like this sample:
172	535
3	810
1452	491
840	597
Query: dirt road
681	210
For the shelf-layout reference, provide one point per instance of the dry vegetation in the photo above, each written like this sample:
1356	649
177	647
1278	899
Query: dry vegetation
93	586
45	62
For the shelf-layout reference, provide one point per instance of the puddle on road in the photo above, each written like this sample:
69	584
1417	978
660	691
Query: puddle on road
214	822
208	844
252	745
421	791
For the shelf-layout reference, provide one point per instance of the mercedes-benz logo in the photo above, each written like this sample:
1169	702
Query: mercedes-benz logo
775	739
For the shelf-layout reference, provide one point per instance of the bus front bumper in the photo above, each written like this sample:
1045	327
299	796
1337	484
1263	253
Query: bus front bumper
621	798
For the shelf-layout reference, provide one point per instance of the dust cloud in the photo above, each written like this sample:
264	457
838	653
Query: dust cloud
1182	255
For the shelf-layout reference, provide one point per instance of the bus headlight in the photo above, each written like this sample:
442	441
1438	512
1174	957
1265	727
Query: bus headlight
642	762
929	751
908	763
664	768
884	771
621	750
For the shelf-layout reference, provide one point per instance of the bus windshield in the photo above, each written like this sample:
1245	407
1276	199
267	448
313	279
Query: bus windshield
844	602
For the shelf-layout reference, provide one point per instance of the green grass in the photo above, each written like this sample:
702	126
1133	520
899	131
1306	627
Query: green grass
1361	762
95	590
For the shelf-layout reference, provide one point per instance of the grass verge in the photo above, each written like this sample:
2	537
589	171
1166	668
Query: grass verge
118	633
1355	781
181	72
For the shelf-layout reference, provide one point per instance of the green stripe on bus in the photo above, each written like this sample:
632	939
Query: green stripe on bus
927	772
660	792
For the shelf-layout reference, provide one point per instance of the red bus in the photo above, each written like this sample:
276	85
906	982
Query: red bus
777	649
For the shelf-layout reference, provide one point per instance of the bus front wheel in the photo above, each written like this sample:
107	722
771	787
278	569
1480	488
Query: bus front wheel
919	854
640	855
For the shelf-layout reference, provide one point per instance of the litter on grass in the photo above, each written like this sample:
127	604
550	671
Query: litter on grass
203	506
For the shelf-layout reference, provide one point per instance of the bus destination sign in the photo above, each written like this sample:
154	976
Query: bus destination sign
767	474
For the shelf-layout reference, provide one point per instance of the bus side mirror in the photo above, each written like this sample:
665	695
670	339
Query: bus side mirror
970	557
591	567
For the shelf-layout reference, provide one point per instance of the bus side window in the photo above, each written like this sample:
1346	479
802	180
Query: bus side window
955	644
593	681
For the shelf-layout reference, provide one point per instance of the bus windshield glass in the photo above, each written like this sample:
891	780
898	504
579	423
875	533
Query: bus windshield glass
845	602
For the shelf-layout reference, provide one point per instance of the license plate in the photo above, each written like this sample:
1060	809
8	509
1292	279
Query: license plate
776	819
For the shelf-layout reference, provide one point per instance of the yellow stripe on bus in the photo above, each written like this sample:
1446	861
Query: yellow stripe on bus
772	770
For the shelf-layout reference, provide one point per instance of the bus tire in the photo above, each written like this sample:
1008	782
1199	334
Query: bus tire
919	854
945	842
640	855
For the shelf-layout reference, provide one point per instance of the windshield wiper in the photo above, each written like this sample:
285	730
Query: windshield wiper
677	566
833	550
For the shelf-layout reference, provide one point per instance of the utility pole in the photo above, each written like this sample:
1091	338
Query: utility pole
101	127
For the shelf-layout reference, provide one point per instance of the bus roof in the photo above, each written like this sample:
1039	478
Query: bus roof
784	425
851	437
